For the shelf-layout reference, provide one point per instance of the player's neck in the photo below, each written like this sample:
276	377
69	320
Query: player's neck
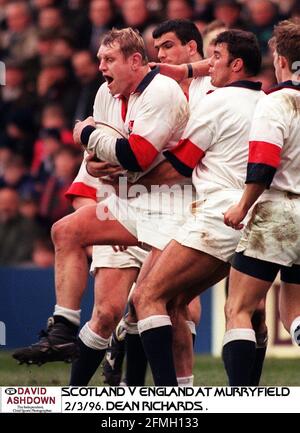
287	75
138	76
241	76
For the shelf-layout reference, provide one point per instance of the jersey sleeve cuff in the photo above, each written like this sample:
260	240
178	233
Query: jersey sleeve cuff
260	173
86	133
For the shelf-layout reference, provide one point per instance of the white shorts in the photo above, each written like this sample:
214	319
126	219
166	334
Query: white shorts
273	232
204	229
105	257
155	227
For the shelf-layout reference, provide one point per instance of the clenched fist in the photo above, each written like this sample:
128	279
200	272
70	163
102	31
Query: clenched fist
79	126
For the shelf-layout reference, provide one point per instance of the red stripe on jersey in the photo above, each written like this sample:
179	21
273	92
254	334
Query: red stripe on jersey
124	106
80	189
143	150
261	152
188	153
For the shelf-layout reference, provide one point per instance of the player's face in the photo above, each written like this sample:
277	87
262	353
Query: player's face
116	69
220	69
170	49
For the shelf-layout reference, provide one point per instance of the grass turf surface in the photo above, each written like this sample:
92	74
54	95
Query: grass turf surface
208	371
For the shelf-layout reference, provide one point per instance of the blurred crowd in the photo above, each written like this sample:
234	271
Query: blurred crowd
49	50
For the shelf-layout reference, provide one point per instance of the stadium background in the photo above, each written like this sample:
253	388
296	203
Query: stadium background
49	76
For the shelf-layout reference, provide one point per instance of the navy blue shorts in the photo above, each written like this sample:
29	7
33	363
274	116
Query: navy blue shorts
264	270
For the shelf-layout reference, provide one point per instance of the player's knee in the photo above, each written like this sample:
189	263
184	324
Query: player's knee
64	232
107	316
141	297
231	310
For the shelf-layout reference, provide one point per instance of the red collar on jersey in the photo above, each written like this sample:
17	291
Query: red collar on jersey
284	85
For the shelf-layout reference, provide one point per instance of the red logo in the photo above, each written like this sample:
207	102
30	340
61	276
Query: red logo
130	126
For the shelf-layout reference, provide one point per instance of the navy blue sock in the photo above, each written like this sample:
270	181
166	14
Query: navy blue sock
136	365
157	344
84	367
260	354
239	357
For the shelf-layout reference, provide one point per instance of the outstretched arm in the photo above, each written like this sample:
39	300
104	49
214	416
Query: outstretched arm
181	72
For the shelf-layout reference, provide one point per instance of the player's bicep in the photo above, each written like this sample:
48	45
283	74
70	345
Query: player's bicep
265	146
196	139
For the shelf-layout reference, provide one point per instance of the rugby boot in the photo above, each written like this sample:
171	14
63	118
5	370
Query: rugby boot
57	343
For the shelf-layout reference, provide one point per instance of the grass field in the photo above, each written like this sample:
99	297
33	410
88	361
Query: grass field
208	371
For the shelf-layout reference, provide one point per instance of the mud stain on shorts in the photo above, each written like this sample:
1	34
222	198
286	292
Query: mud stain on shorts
287	233
257	242
208	240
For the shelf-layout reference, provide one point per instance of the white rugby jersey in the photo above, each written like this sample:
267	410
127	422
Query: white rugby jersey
155	117
84	185
274	148
199	88
113	112
214	145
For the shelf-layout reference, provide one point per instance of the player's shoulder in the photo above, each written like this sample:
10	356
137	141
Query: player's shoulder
163	91
165	84
231	96
203	82
273	101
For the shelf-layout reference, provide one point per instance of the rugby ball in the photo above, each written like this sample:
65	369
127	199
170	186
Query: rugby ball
110	130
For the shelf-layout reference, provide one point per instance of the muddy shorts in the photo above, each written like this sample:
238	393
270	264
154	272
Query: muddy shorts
273	232
204	229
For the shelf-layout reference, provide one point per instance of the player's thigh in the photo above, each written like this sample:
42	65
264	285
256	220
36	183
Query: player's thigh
89	226
216	276
148	264
113	285
177	269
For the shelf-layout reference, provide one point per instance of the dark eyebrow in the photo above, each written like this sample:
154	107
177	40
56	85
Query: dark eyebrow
164	43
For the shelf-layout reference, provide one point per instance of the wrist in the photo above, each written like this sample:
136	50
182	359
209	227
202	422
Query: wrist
190	71
243	206
86	133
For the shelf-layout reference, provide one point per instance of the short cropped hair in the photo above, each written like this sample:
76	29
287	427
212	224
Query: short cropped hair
130	42
286	40
243	45
185	30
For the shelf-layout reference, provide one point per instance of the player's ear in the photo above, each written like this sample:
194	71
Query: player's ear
282	61
237	64
192	45
136	61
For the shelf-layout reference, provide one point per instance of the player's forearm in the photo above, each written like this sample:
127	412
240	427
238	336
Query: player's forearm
200	68
184	71
163	174
103	146
251	193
